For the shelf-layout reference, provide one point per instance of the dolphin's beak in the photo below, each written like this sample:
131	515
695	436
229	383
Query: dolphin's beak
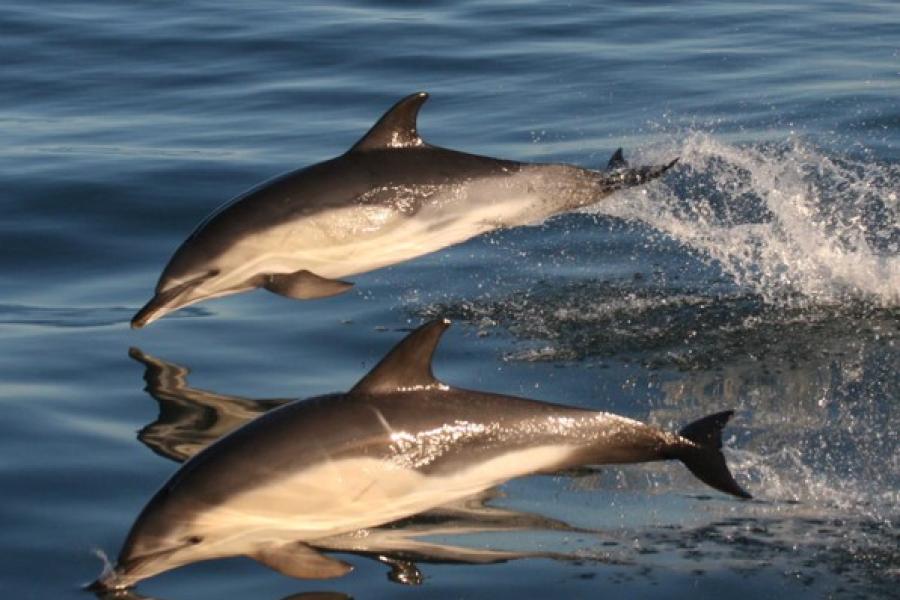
108	582
127	573
170	299
151	311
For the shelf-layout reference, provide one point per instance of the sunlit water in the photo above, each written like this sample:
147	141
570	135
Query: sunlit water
762	274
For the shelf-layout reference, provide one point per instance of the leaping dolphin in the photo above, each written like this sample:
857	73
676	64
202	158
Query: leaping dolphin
191	419
400	442
390	198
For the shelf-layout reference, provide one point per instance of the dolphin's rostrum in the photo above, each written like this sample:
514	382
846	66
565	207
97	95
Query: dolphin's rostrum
390	198
400	442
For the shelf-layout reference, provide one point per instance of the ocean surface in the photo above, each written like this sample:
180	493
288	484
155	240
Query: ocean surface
761	275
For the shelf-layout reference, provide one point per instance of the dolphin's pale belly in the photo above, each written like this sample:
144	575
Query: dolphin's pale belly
345	495
363	237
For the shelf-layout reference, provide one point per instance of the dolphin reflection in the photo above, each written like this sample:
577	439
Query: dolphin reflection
190	419
305	476
130	594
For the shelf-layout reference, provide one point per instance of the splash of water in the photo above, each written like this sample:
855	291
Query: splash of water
780	219
107	576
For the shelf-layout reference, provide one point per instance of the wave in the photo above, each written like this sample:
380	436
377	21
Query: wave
75	317
666	325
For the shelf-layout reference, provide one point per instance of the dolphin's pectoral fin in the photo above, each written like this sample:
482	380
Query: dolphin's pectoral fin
300	561
396	128
304	285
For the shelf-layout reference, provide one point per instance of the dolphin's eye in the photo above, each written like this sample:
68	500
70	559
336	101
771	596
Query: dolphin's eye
194	539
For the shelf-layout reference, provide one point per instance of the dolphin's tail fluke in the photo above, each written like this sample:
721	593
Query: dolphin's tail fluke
620	175
704	458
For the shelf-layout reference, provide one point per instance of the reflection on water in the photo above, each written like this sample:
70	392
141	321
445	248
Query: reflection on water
131	594
318	596
190	419
402	544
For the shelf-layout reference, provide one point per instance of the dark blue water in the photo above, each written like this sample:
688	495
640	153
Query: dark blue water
762	275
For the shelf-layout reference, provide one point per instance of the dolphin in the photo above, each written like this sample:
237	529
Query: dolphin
390	198
399	443
191	419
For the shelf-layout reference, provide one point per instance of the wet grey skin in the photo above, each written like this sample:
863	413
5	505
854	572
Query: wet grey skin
399	443
390	198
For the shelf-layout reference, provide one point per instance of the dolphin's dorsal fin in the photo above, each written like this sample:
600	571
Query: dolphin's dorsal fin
408	365
397	128
617	161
